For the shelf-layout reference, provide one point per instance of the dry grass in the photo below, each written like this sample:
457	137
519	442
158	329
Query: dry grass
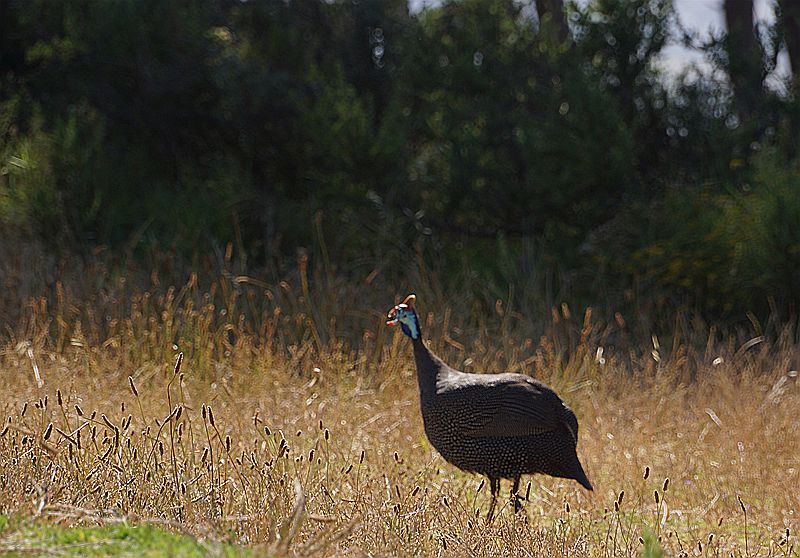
275	434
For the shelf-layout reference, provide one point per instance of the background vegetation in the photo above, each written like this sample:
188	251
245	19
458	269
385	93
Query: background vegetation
538	145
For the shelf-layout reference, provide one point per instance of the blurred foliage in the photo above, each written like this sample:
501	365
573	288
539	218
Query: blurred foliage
459	135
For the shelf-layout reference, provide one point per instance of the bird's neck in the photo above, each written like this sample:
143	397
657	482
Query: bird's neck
429	367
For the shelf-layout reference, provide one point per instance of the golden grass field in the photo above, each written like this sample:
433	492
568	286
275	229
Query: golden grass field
277	435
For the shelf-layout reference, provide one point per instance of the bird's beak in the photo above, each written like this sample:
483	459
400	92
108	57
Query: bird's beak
392	317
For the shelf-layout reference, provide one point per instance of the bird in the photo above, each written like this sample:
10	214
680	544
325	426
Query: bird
498	425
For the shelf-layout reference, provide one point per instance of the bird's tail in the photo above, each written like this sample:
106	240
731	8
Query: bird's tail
581	477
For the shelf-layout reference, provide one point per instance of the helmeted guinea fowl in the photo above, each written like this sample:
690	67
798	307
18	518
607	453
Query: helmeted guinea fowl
498	425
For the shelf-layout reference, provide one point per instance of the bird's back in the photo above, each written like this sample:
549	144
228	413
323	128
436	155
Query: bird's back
501	425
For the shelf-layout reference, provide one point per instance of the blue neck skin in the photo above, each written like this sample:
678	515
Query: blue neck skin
411	330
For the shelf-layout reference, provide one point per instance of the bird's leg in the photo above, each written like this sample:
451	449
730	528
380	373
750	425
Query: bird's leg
515	496
494	485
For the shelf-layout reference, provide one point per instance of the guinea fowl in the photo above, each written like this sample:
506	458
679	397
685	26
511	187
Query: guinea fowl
498	425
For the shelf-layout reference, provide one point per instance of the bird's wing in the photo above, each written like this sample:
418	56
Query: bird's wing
571	421
507	407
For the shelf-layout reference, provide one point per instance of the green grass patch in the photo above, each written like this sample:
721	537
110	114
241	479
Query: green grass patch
120	540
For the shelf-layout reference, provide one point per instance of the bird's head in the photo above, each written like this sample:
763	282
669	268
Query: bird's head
405	315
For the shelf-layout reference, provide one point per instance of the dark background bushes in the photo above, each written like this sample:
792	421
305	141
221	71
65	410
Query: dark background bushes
506	146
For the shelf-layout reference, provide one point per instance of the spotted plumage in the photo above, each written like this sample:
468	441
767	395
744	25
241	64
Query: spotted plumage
498	425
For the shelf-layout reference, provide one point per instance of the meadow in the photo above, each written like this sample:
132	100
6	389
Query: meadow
207	208
283	420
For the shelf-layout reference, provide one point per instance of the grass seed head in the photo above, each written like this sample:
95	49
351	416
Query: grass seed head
178	362
133	386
